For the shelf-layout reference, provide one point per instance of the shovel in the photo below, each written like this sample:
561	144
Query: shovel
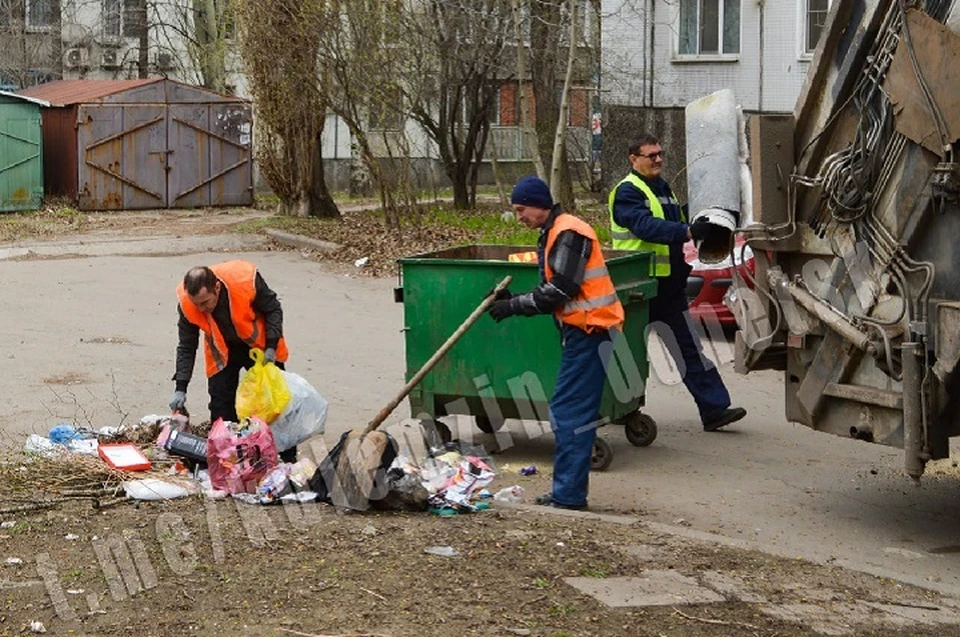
357	476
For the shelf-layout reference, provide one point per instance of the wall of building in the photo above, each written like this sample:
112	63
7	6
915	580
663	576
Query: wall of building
641	66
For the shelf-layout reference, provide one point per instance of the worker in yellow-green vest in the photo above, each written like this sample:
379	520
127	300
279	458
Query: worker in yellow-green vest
645	215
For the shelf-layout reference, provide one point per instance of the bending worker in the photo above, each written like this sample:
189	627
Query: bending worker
576	288
645	215
236	311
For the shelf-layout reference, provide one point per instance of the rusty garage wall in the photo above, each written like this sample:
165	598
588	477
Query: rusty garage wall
140	144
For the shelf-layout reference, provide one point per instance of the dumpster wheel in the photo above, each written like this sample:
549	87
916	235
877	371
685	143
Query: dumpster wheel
435	433
601	455
641	429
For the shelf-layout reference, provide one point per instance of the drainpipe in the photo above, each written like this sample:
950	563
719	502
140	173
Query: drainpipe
653	65
760	87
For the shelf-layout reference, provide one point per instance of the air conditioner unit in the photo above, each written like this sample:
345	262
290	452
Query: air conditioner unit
110	59
164	60
76	58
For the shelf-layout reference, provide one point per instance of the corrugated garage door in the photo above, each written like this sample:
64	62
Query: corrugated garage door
136	156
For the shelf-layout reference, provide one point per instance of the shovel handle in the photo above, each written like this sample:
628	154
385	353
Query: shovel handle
450	342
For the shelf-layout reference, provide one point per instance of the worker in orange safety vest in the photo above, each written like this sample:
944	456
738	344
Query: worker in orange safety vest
236	311
577	289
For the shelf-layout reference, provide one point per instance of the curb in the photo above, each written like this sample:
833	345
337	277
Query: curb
299	241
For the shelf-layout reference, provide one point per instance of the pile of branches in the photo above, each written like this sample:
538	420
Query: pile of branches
35	482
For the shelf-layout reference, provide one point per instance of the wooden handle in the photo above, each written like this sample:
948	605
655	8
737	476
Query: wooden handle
450	342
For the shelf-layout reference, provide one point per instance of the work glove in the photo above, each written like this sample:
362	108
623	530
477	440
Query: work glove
699	229
269	355
503	295
502	309
179	401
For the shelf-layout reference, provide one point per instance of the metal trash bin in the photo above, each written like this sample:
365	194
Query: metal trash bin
508	370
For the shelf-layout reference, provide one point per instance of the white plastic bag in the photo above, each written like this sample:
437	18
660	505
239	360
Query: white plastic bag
154	489
305	415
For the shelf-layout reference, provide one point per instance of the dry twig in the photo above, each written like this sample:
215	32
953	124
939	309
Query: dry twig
297	632
367	590
720	622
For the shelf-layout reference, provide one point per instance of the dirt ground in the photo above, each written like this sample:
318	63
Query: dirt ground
194	566
231	569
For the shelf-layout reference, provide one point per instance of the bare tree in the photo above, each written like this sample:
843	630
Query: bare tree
31	49
280	41
548	24
363	55
452	87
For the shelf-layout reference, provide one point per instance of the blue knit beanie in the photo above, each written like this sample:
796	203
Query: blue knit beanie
532	191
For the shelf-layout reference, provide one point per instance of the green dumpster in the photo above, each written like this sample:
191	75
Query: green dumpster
508	370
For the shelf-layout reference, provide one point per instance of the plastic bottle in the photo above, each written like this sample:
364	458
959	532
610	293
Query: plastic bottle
509	494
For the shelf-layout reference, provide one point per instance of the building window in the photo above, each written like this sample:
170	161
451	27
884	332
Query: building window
815	20
709	27
123	17
42	14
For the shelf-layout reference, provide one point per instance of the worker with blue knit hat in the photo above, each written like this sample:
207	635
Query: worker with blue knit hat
576	288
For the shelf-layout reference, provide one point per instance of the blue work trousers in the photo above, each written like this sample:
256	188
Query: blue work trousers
670	317
575	411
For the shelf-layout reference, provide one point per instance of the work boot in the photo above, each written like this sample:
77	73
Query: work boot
548	501
724	418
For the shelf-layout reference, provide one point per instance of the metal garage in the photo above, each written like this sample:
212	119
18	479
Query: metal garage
139	144
21	153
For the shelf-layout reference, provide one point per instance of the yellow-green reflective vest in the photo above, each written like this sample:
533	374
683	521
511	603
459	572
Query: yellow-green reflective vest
623	239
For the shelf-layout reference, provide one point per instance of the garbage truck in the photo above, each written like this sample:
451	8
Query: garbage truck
856	233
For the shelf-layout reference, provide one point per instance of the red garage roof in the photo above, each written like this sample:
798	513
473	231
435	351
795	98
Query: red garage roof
67	92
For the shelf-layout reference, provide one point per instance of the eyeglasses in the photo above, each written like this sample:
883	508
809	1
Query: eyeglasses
651	156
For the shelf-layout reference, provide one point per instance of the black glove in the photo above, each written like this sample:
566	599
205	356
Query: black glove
699	229
269	355
501	310
179	402
503	295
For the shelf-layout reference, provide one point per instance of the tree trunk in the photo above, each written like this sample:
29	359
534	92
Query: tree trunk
528	133
143	53
545	45
321	204
560	136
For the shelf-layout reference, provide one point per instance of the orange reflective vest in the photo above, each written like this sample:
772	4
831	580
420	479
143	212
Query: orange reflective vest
597	306
239	277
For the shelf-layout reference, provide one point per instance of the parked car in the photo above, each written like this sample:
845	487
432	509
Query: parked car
707	283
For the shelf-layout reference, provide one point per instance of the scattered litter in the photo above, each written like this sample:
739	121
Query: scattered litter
70	537
681	522
13	561
75	591
529	471
361	262
560	544
154	489
8	525
484	494
37	627
124	456
369	531
62	434
509	494
442	551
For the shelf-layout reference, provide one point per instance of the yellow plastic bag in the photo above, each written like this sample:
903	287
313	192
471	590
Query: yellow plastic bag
262	392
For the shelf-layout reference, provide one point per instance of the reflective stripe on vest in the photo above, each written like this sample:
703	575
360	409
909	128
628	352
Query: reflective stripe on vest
239	278
623	239
597	306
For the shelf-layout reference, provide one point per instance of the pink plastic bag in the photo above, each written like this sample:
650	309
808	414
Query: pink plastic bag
237	462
